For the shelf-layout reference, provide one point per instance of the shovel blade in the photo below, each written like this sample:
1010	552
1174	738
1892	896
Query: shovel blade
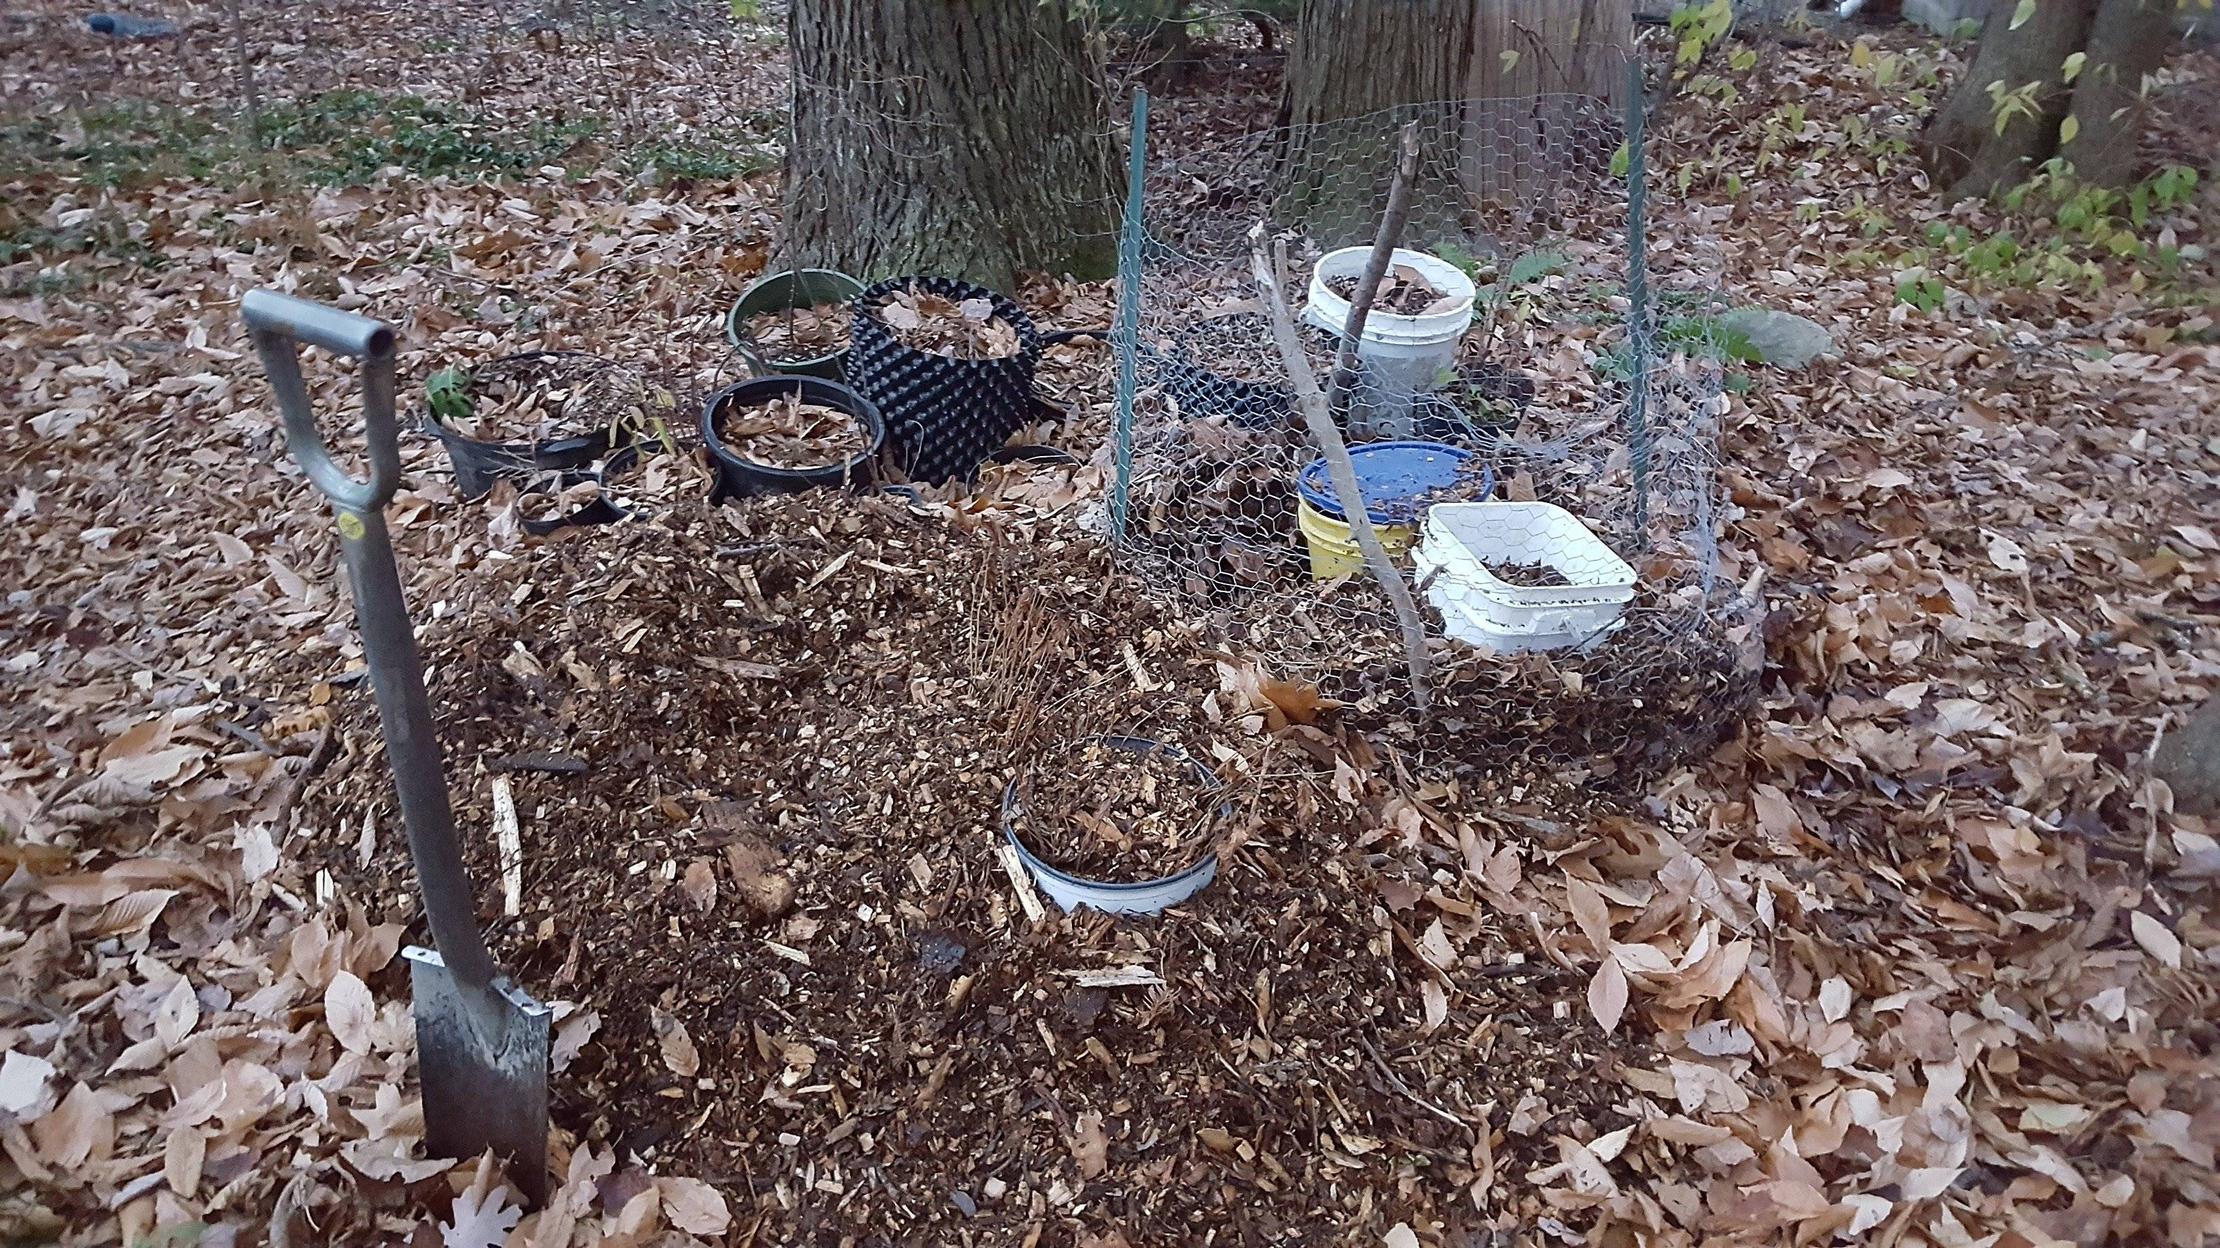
484	1087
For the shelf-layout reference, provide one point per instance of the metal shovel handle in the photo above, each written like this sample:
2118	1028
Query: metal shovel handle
279	324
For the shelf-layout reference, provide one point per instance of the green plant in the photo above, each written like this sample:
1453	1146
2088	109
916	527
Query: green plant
447	393
1921	289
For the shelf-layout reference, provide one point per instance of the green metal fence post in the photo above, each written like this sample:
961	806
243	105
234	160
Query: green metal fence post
1128	337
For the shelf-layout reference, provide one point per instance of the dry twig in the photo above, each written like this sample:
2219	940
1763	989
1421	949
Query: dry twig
1318	407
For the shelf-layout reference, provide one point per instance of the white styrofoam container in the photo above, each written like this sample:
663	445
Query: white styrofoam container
1459	540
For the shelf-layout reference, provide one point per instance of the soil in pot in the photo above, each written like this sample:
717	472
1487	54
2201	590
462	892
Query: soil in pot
788	432
965	329
1528	575
532	398
794	335
1403	291
1116	815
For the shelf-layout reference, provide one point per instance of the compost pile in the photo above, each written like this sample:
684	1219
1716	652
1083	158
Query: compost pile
757	756
964	330
791	334
787	432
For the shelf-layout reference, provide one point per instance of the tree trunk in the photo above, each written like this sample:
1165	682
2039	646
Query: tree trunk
957	137
1963	147
1507	94
2126	43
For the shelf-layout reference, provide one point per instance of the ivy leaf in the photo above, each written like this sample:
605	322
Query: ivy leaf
2072	67
2068	128
2022	14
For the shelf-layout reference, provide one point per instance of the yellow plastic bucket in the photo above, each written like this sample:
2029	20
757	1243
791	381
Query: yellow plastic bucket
1333	548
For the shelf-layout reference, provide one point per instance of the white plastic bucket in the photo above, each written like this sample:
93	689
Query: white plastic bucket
1403	356
1459	540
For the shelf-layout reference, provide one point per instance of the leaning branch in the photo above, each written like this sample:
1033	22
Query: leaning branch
1318	407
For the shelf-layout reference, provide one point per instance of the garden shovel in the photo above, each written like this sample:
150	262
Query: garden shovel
481	1041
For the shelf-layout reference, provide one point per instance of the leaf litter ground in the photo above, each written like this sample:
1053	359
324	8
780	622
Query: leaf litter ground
1918	957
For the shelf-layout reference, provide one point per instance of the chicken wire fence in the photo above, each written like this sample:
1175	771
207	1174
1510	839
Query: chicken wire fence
1521	353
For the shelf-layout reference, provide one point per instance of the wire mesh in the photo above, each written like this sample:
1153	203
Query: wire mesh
1592	623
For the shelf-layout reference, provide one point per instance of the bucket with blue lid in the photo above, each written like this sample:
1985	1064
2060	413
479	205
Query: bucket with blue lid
1399	480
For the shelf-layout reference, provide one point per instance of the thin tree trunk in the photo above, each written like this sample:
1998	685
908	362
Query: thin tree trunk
1507	94
2126	43
959	137
1963	148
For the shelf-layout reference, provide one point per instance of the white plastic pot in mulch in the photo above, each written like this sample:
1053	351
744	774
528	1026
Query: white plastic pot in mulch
1401	357
1071	892
1460	542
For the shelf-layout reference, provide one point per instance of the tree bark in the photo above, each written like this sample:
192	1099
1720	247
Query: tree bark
957	137
1492	85
1962	146
2127	40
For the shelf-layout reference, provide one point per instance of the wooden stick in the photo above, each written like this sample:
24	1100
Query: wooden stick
1375	267
1317	413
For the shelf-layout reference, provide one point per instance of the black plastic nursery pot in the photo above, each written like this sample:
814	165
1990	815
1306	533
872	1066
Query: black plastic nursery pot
479	462
738	477
776	292
944	416
600	510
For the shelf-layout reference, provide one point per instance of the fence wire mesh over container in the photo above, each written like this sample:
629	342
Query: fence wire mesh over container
1533	417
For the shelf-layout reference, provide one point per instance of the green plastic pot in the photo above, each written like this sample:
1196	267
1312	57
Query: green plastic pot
776	292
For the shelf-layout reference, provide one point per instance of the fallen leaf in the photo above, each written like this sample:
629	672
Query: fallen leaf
2155	938
1436	1002
1607	992
700	884
182	1156
679	1053
349	1011
483	1215
1399	1236
23	1090
693	1206
1434	946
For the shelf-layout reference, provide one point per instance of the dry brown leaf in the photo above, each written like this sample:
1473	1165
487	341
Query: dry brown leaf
700	884
350	1012
1434	946
679	1053
182	1157
76	1130
693	1206
1607	994
2155	938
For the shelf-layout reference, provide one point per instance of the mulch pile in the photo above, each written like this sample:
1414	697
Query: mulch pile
751	860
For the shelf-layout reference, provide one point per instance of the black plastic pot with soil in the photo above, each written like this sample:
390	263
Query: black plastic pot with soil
781	435
794	323
496	422
946	409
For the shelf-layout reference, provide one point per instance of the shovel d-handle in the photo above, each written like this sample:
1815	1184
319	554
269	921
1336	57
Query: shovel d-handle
279	323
